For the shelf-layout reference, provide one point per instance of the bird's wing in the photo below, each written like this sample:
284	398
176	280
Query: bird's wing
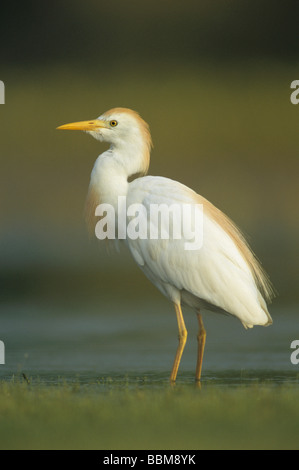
220	272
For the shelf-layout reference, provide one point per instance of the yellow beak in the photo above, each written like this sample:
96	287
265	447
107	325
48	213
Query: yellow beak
92	125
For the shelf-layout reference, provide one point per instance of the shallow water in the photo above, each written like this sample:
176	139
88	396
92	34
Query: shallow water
134	343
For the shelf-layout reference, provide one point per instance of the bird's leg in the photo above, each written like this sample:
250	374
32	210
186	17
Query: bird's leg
182	342
201	339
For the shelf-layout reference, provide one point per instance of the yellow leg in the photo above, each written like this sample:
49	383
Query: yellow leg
182	342
201	338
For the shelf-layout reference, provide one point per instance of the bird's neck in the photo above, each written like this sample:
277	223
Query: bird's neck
115	167
109	179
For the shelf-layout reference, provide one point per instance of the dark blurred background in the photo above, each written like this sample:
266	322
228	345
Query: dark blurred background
212	79
40	33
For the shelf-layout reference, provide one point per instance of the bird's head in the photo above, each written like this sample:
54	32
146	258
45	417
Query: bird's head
117	126
127	133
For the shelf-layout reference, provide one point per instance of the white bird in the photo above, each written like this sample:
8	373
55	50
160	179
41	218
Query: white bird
223	275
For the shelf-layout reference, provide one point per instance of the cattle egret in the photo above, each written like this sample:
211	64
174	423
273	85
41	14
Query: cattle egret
223	275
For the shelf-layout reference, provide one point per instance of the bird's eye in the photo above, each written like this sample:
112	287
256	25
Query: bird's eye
113	123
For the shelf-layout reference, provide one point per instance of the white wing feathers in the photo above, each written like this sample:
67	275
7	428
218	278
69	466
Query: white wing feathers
218	275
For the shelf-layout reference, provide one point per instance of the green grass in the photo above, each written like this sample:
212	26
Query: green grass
111	416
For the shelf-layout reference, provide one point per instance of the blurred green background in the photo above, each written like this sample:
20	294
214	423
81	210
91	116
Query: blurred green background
212	79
